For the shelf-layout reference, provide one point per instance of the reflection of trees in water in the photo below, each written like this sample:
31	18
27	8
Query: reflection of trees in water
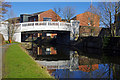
106	71
109	70
103	72
113	61
115	70
83	60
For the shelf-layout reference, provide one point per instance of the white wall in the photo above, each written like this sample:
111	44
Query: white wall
17	37
4	32
4	29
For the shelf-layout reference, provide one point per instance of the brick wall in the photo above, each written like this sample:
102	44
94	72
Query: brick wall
49	14
88	31
86	17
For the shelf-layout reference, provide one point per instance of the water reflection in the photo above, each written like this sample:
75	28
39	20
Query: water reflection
69	62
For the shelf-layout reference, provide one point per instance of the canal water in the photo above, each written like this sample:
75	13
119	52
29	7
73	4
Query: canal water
71	62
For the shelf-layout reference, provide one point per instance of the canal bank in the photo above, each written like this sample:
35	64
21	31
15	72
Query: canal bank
107	43
3	48
18	64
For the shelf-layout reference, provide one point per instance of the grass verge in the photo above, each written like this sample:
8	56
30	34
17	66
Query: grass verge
18	64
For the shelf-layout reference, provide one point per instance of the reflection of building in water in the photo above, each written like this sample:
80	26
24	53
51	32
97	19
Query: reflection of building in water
51	35
88	64
51	70
50	51
46	51
88	68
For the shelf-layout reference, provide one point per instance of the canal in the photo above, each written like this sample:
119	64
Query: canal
71	62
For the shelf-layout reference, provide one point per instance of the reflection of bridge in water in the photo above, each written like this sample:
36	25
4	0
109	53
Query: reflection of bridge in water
75	63
55	64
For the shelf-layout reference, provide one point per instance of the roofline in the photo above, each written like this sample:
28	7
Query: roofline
85	12
33	13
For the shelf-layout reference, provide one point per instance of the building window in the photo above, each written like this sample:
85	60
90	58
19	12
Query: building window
47	19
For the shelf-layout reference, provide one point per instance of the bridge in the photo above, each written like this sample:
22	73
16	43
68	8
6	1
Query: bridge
65	31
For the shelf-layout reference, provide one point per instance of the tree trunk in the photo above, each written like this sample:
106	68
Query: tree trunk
111	33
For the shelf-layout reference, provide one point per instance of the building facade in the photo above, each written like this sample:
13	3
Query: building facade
49	15
88	19
89	24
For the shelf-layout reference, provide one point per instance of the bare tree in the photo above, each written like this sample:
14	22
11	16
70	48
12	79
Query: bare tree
107	13
57	11
12	27
91	19
68	12
3	8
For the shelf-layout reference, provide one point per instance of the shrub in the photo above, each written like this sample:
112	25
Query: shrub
7	42
106	41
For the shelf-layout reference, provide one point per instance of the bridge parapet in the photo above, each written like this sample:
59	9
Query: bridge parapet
44	25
